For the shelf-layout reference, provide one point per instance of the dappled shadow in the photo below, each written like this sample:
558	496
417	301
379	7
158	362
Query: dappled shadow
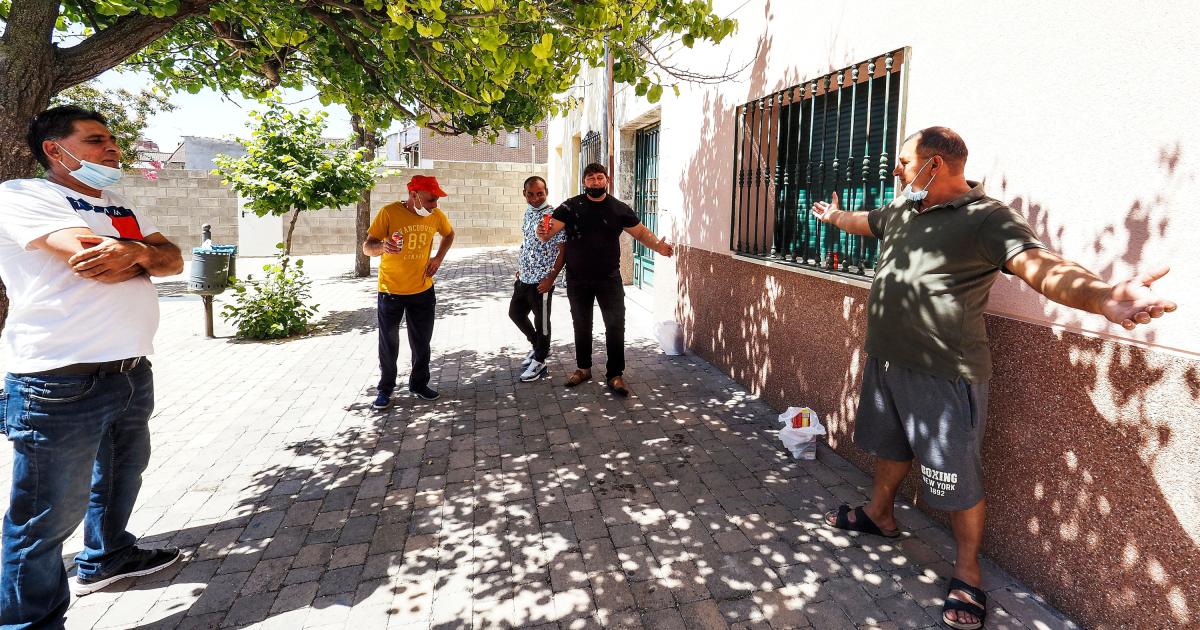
1089	441
513	510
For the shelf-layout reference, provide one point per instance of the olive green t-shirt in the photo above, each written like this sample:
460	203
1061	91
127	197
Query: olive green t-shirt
931	285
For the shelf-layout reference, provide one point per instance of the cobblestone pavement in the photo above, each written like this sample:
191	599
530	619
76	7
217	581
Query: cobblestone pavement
502	504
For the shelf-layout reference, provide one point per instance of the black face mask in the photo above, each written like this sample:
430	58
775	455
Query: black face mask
595	192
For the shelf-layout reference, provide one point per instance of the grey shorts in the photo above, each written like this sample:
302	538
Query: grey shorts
904	414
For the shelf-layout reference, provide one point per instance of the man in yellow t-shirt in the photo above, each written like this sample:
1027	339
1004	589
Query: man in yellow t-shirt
402	233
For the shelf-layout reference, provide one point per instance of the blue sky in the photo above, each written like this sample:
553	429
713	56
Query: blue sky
210	114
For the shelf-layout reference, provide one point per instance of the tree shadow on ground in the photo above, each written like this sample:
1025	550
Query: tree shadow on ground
1088	441
505	505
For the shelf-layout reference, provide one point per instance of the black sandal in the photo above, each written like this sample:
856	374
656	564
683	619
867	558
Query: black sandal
862	523
958	605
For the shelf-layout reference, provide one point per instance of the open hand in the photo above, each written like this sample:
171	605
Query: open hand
106	259
1132	302
824	210
665	248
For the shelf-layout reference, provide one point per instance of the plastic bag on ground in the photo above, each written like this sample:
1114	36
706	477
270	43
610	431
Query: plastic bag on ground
801	426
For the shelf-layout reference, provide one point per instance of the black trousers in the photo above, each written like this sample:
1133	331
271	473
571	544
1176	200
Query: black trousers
610	294
526	300
419	308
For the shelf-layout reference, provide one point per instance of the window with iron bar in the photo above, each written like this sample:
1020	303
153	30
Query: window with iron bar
836	133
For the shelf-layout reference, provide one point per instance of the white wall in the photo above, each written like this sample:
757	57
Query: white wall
1079	114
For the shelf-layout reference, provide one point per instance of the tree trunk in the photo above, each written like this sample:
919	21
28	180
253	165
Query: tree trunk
26	63
363	138
287	244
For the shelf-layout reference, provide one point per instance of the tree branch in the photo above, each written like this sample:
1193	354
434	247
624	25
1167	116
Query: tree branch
235	37
109	47
358	12
437	74
353	50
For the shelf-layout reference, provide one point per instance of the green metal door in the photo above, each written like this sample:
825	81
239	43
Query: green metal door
645	201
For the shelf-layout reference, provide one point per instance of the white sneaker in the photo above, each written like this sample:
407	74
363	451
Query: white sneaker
528	358
536	370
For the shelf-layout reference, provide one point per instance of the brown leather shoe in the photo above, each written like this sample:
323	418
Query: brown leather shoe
578	376
616	385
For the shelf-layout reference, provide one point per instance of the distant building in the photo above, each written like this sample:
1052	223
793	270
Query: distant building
419	147
196	153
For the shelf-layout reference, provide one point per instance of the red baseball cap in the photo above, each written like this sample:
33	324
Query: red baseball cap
428	183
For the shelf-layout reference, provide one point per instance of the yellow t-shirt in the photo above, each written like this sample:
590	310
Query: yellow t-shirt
404	273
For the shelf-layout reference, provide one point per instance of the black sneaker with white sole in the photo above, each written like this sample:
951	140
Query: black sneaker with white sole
425	392
140	562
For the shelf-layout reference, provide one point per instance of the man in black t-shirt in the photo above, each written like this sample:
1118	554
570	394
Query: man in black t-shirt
594	222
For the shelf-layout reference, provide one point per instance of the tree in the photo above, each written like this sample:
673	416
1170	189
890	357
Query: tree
289	168
127	113
457	66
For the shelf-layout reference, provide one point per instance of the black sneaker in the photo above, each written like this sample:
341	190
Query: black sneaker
425	392
140	562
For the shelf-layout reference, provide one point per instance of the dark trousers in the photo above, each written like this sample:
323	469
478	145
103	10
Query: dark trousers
526	299
610	294
418	308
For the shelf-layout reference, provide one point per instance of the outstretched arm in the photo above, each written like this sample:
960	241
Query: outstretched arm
1127	303
851	222
647	238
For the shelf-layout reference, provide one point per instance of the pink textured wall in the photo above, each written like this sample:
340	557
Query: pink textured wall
1091	450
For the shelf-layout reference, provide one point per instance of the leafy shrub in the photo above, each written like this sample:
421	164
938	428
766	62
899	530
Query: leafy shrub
273	307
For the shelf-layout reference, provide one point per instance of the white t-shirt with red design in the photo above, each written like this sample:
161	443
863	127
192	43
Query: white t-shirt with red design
56	318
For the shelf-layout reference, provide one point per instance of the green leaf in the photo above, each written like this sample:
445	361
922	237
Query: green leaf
654	93
543	49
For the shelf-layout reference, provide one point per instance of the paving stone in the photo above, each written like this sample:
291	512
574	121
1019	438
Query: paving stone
500	504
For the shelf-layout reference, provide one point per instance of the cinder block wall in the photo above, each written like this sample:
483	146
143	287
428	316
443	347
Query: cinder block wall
180	202
484	206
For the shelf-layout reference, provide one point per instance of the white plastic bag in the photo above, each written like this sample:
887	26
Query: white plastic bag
670	337
801	441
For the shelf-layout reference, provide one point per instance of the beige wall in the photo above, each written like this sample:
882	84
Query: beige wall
484	206
180	202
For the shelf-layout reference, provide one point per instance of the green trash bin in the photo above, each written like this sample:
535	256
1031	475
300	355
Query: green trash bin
210	271
232	251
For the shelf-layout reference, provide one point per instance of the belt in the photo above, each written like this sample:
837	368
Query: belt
80	369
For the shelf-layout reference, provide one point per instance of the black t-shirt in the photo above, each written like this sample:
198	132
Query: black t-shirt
593	235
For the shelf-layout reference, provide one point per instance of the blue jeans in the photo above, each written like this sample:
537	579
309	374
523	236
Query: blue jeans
80	444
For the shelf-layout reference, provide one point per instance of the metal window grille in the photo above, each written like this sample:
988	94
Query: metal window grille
589	153
645	200
839	132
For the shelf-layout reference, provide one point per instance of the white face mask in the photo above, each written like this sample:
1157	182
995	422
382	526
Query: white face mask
919	195
90	174
414	203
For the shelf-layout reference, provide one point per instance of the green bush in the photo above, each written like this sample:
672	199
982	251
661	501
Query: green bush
272	308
